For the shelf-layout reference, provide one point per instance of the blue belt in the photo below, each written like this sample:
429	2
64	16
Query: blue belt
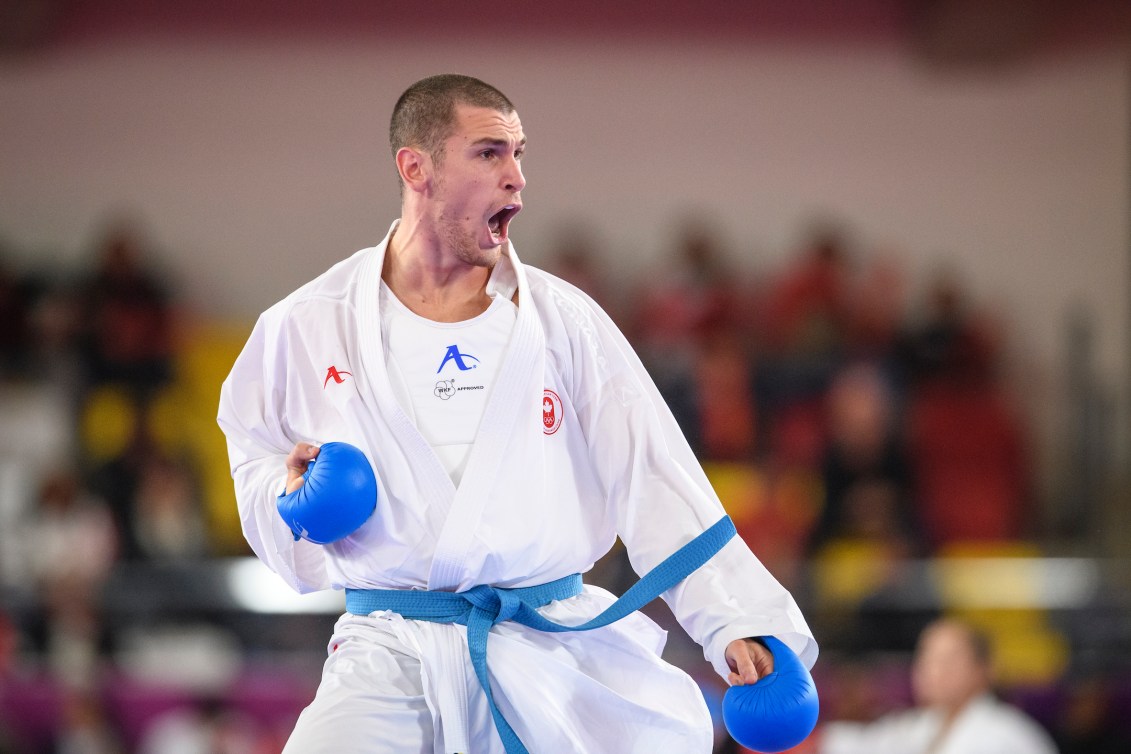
483	606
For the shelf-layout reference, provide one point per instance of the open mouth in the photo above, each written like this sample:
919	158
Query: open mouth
498	222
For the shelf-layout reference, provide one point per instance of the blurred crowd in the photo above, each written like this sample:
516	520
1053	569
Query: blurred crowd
896	412
841	422
859	430
100	344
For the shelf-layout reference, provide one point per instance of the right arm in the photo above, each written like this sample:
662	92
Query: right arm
265	459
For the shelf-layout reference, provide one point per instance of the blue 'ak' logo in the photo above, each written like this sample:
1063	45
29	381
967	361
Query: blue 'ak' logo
453	354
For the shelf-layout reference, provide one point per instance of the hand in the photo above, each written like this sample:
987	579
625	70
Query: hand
298	459
748	661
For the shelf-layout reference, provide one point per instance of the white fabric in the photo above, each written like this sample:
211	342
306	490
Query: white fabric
536	501
442	372
602	692
985	726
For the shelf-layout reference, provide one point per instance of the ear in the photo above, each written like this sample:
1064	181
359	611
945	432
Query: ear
415	167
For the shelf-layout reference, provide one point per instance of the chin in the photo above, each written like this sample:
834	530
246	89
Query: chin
480	257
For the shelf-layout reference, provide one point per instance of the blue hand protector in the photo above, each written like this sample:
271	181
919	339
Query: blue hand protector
779	711
338	495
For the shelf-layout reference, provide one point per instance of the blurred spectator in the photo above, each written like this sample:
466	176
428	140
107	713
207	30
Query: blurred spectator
165	516
965	440
128	336
693	297
116	480
154	498
867	477
55	350
808	312
70	537
675	312
877	304
70	544
956	713
948	342
210	727
803	328
85	727
722	380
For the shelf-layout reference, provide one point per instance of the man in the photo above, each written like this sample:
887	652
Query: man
950	680
514	435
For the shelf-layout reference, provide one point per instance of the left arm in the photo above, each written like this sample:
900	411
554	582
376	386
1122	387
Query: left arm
662	499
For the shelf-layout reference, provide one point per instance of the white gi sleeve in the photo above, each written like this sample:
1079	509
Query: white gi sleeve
662	500
252	406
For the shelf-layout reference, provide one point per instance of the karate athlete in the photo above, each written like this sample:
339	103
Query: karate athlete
956	712
514	435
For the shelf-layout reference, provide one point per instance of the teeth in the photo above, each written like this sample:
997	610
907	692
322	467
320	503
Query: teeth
495	222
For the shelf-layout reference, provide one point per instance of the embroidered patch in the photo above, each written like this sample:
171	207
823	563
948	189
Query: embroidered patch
551	412
337	376
445	389
453	354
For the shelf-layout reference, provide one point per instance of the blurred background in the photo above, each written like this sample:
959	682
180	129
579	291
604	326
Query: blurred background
876	254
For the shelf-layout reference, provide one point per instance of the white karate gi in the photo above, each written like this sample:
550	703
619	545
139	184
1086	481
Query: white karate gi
575	447
984	726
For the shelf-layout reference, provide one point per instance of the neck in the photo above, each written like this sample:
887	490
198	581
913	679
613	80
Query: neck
954	709
430	279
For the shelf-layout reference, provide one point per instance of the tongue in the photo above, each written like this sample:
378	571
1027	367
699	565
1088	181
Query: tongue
496	222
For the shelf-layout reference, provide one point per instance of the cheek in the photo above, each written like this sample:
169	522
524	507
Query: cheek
930	676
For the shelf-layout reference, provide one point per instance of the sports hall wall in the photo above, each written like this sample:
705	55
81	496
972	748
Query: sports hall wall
254	164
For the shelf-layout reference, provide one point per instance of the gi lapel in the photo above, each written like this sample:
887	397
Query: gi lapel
517	394
435	487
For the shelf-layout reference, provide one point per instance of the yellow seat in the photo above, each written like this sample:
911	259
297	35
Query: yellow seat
206	354
846	570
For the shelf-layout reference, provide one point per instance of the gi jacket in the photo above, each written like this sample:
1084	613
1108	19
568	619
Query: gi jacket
575	447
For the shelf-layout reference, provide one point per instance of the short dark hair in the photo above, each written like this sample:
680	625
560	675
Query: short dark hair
425	114
977	640
981	646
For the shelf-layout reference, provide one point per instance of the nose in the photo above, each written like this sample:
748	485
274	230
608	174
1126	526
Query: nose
513	179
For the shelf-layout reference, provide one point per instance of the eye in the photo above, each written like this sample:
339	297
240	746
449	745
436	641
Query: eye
518	153
487	154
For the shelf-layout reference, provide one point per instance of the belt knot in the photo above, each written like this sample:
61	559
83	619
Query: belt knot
496	604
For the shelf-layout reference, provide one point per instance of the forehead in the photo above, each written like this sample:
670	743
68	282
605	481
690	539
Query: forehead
946	639
478	123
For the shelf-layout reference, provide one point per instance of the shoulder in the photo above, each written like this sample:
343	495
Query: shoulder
545	287
584	343
564	308
570	316
1012	724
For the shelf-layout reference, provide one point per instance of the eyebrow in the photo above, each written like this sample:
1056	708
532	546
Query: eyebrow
488	141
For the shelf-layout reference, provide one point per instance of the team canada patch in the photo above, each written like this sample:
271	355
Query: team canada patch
551	412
